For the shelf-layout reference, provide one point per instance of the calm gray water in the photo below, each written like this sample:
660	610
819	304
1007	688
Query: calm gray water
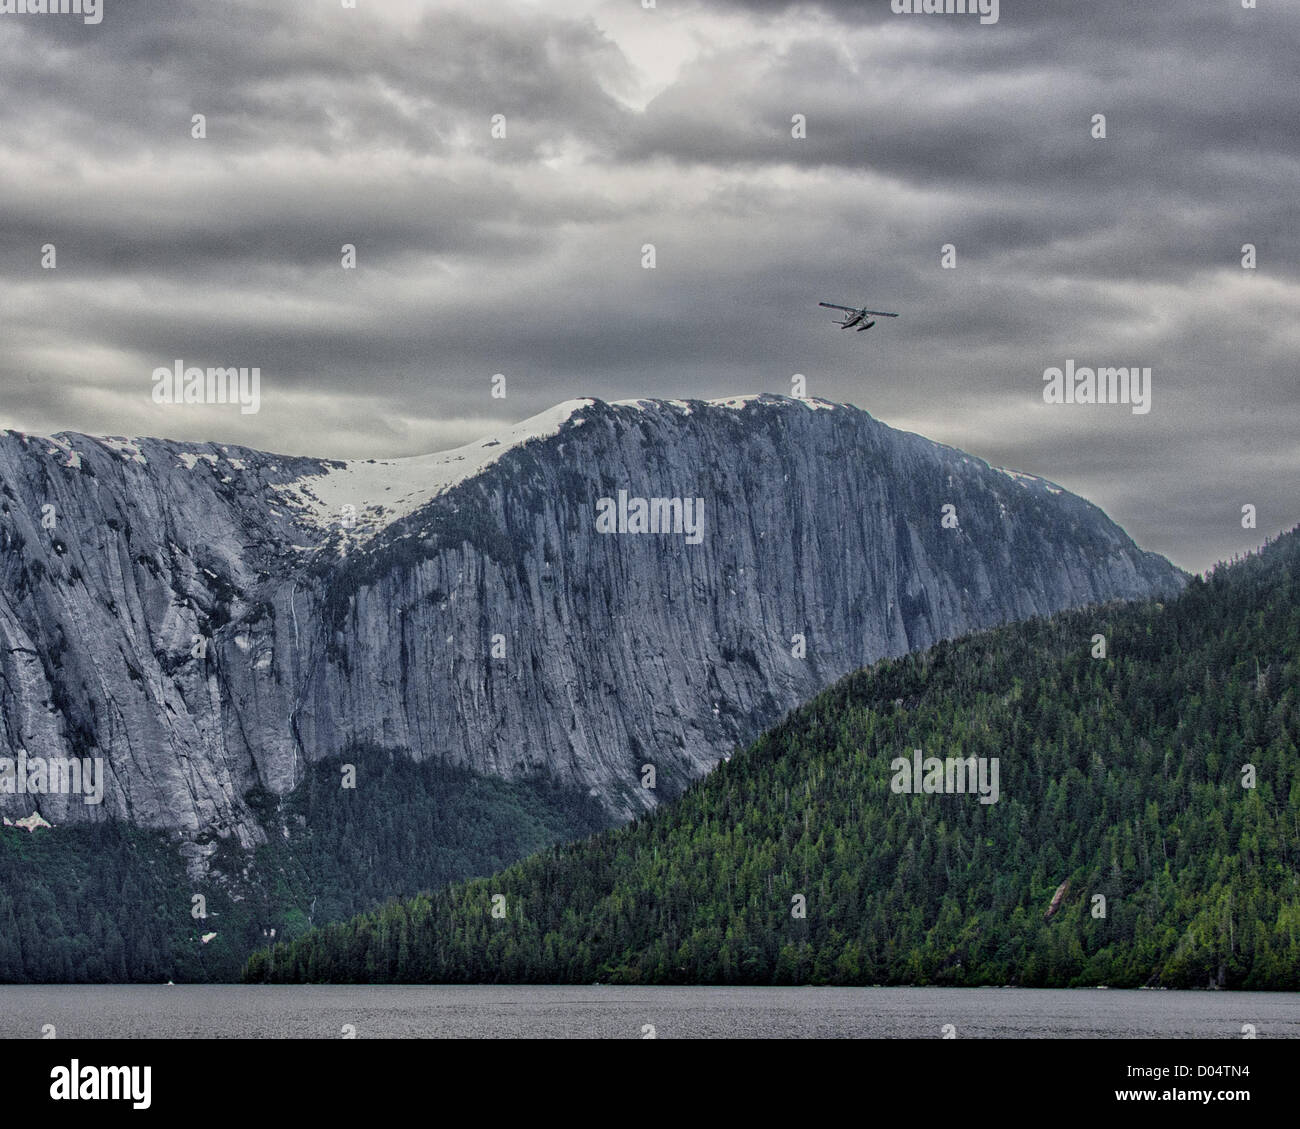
416	1012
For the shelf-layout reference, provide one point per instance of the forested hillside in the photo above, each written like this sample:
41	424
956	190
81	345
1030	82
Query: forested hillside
1127	776
112	902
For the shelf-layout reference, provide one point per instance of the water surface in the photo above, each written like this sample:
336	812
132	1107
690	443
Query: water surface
421	1012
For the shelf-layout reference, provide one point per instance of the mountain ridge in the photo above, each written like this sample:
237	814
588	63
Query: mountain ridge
824	526
542	425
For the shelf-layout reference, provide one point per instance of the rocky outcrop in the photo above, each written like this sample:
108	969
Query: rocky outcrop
1061	891
208	619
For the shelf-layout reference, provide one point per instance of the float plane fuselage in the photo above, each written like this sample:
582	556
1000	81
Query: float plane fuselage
855	316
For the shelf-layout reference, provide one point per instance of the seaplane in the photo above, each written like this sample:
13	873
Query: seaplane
853	316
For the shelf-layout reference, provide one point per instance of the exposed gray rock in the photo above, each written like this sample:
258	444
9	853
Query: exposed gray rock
619	649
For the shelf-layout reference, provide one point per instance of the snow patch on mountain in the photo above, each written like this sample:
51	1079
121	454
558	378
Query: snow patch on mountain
685	406
28	823
123	446
1026	479
385	490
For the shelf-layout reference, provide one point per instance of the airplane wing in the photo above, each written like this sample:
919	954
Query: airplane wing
857	310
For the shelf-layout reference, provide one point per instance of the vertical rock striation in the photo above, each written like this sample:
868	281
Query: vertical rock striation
208	619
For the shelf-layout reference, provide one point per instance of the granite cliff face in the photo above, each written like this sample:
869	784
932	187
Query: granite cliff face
209	619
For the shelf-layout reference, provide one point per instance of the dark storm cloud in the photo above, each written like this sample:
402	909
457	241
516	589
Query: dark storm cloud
372	127
242	222
316	75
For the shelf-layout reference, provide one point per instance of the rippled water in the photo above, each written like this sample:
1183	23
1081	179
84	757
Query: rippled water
407	1012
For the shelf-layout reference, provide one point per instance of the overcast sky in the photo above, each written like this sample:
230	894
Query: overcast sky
671	126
